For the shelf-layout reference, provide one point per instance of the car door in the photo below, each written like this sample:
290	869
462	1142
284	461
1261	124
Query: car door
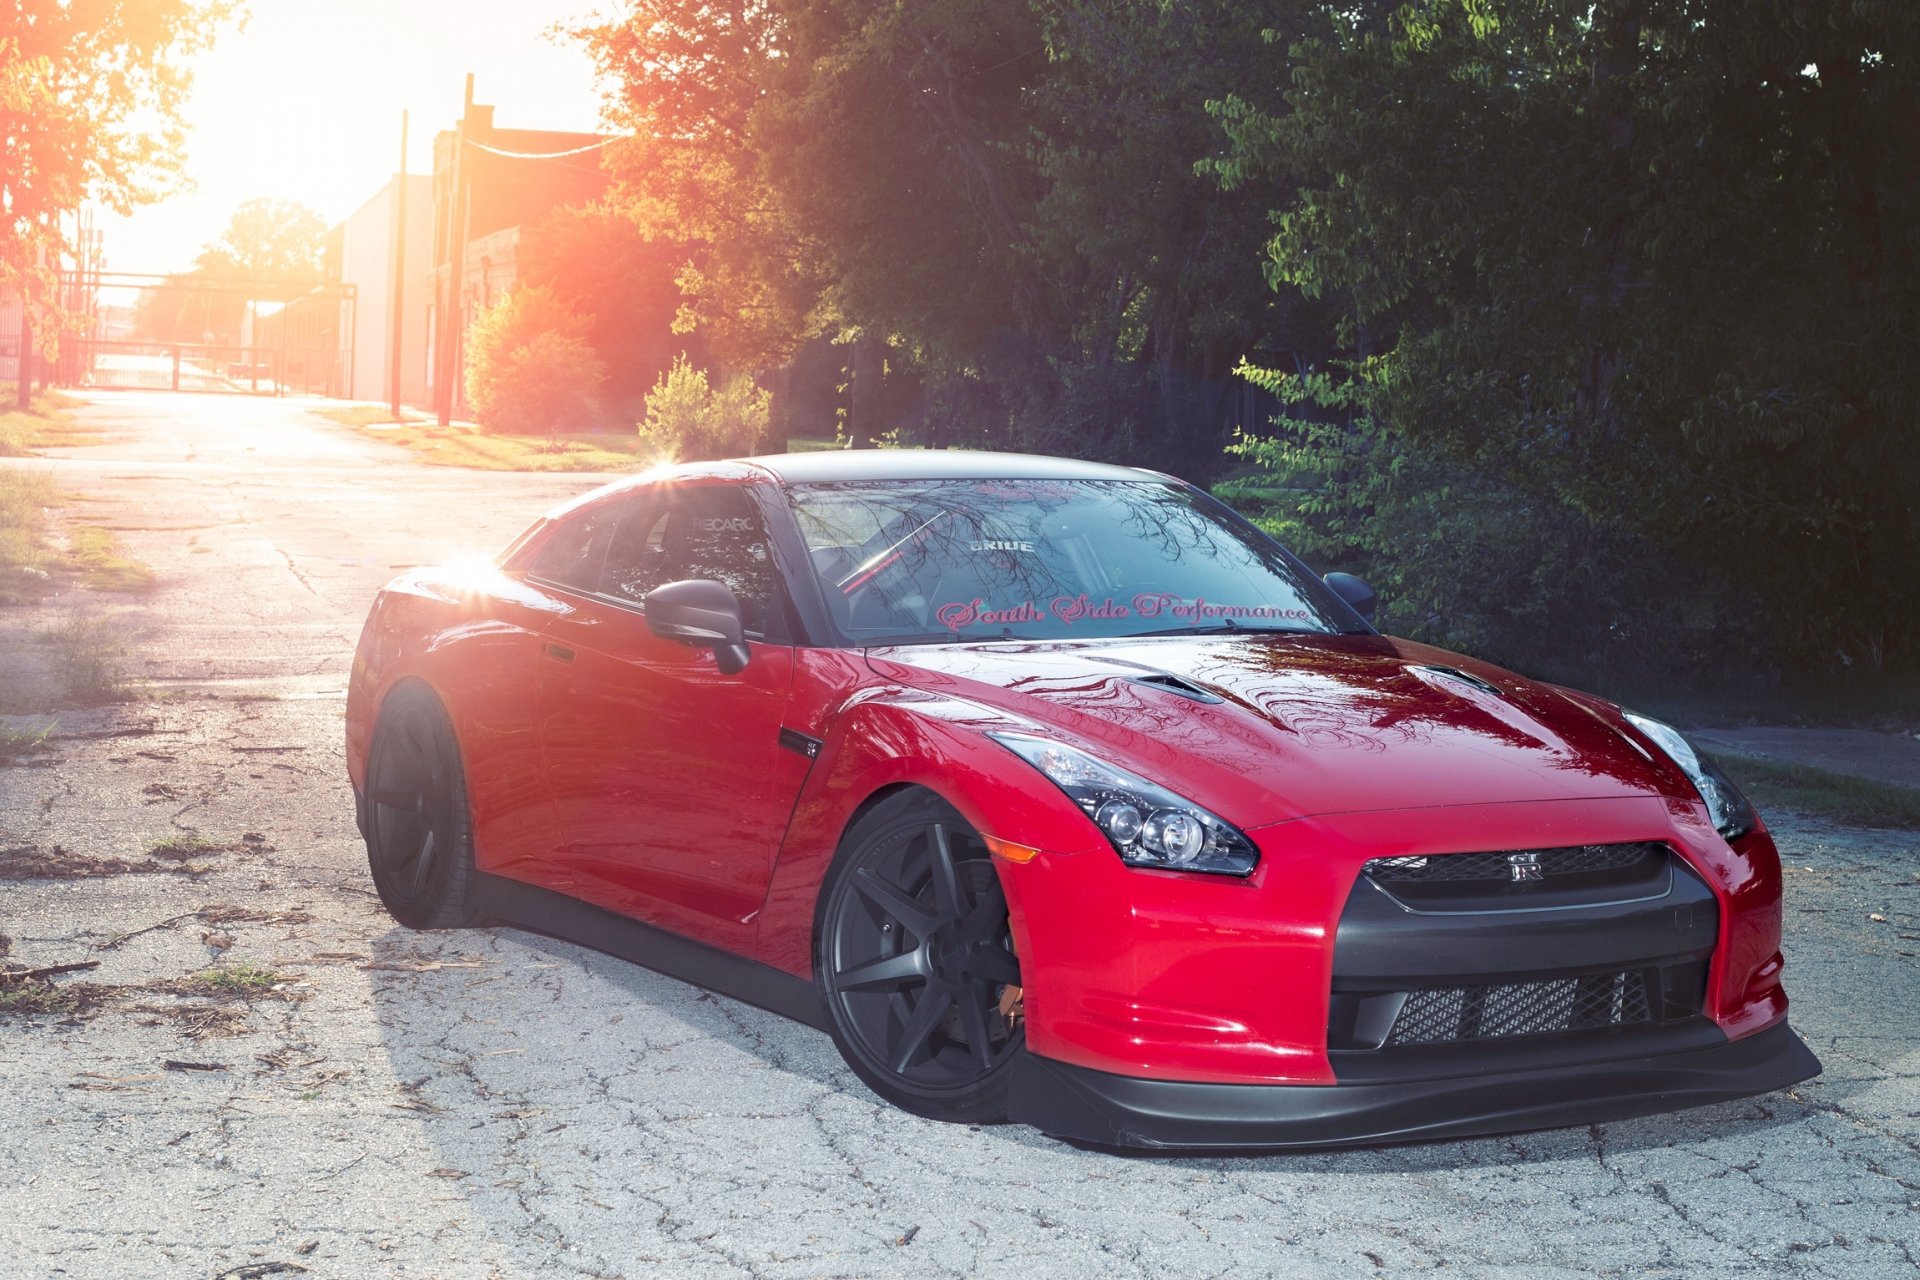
670	787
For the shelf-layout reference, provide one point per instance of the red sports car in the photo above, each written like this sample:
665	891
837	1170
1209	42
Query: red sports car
1059	793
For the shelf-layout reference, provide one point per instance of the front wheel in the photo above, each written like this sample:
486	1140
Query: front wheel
419	841
914	959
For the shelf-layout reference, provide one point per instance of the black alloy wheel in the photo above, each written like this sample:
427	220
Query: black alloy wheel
419	844
914	958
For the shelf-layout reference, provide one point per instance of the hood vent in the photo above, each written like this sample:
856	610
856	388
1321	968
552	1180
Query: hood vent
1167	682
1454	673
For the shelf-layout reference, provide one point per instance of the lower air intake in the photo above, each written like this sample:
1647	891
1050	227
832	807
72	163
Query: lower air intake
1445	1015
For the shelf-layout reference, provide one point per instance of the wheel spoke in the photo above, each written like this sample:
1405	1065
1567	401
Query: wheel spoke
989	910
925	1017
893	971
946	877
422	861
973	1019
993	963
895	902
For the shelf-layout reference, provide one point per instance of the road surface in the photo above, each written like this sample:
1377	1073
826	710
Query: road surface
494	1104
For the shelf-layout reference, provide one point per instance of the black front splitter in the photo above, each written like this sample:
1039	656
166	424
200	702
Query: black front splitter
1107	1110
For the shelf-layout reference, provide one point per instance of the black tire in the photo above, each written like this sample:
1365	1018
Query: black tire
419	835
912	954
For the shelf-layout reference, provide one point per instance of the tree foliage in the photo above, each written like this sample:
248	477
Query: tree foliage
1628	293
1587	322
1001	193
530	369
90	95
268	239
622	284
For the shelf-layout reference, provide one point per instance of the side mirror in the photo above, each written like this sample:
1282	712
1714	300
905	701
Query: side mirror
700	612
1355	592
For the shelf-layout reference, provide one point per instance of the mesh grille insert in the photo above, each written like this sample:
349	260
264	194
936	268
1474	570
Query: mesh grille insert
1454	867
1441	1015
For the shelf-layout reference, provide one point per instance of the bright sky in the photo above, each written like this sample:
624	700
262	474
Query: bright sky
304	103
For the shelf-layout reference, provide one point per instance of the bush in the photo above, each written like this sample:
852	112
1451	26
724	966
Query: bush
689	419
530	369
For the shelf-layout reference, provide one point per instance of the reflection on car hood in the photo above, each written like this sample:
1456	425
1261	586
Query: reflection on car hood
1272	727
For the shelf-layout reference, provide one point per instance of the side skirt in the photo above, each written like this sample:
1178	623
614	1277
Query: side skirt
544	911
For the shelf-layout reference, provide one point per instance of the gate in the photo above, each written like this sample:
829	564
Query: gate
197	332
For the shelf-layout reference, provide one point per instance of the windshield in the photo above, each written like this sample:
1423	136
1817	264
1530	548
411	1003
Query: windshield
924	561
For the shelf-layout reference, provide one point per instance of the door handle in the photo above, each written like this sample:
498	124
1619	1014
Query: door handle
558	652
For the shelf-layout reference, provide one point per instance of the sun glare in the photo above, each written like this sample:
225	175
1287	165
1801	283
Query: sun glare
304	102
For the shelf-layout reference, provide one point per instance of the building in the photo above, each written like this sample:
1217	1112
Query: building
488	185
385	242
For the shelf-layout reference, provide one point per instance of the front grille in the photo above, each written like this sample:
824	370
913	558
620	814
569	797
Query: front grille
1445	1015
1443	868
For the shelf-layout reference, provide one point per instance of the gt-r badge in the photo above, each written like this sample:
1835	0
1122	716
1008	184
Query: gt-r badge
1523	866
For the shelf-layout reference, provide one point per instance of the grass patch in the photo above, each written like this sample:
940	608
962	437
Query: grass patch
96	553
1860	802
369	415
239	979
465	447
1866	701
26	562
42	426
85	659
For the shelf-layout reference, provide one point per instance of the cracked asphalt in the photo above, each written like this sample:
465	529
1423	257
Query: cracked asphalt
496	1104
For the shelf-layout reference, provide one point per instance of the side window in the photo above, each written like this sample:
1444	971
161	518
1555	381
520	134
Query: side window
571	555
710	531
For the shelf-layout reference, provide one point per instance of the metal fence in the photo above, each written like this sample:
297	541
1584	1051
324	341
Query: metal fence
191	332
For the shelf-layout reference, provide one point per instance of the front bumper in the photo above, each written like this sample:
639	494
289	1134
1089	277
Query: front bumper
1103	1109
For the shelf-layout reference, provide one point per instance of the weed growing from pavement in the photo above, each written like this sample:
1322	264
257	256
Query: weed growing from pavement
239	978
33	998
182	848
96	552
85	657
17	744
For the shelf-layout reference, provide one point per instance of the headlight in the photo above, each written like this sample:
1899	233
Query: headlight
1147	825
1731	813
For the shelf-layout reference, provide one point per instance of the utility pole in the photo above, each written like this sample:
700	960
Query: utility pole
450	326
399	268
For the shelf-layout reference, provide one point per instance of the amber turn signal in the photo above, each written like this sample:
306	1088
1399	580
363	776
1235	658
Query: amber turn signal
1010	851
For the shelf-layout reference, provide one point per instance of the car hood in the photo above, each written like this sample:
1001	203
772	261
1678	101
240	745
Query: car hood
1266	728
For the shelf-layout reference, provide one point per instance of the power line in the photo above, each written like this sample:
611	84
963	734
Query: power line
538	155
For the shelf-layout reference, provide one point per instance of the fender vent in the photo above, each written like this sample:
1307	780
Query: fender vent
1167	682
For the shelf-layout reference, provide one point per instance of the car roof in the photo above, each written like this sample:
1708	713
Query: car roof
825	466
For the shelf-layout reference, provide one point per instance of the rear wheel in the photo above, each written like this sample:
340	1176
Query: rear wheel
419	842
915	962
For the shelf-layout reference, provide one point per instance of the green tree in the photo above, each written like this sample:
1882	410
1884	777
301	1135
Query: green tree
530	369
688	419
268	239
90	98
1627	293
993	201
596	261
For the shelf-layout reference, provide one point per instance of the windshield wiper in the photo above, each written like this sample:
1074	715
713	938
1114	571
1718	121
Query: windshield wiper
1223	629
937	637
